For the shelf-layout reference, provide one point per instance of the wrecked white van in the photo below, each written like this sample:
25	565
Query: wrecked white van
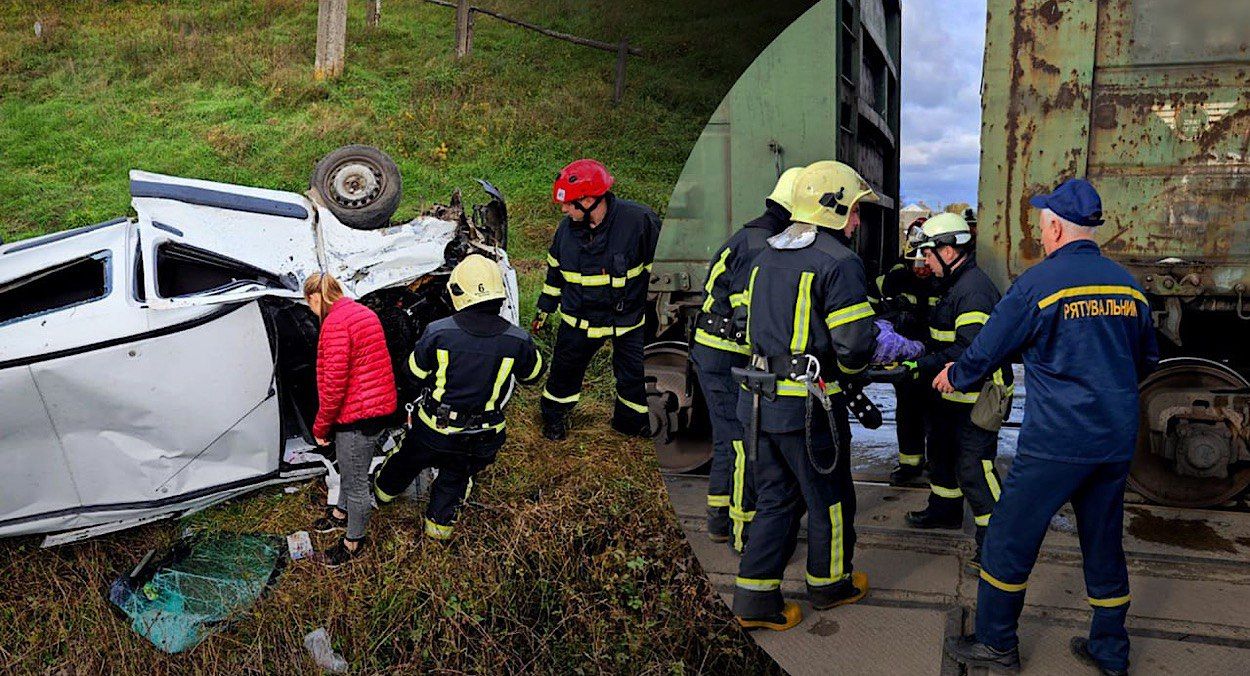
154	366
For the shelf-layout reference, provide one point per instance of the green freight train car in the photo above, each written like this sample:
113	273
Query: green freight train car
1151	100
826	88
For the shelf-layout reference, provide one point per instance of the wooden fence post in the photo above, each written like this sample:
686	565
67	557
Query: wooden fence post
331	38
622	53
375	13
464	40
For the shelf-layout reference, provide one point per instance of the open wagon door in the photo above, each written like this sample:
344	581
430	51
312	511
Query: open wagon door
207	243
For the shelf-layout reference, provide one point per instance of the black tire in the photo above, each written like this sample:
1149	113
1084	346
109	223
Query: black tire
360	185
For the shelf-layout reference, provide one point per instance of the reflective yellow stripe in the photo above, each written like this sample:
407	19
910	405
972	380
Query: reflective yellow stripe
717	270
437	531
849	314
599	331
944	336
636	408
416	370
739	527
551	290
440	382
933	300
738	300
538	367
802	312
571	399
981	520
995	489
909	459
717	500
551	260
943	492
1005	586
757	585
704	338
961	397
505	370
850	371
739	475
431	423
793	388
969	318
604	279
750	292
1094	290
1109	603
382	495
835	546
741	515
911	298
881	284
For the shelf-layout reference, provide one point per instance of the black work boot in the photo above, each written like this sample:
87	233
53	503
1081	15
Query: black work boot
1079	645
641	430
966	651
927	519
846	592
718	526
555	428
789	617
905	474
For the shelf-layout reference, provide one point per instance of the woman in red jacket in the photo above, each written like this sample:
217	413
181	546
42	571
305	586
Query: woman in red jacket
356	395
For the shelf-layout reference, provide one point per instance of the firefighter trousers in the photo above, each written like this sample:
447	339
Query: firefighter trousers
571	356
731	484
961	463
450	487
911	399
1034	492
787	485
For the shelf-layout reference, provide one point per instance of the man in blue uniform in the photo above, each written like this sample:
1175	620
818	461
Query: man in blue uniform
1083	326
808	321
719	346
466	366
598	269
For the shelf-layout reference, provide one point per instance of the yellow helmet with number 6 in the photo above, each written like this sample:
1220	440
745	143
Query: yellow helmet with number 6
476	279
783	192
826	191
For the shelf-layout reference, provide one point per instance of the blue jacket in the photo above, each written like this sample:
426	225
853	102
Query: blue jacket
1083	327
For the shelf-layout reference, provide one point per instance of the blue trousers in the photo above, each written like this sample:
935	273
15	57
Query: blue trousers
730	480
1035	490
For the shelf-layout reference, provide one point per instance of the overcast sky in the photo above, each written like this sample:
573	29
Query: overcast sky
943	42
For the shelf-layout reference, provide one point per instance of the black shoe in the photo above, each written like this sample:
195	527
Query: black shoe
850	591
905	474
555	430
1079	645
928	520
339	554
641	430
966	651
329	523
718	525
789	617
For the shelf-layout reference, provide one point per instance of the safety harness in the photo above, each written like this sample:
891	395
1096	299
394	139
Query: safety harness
472	428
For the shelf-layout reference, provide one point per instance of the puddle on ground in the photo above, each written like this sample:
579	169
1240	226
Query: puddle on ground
825	627
1187	533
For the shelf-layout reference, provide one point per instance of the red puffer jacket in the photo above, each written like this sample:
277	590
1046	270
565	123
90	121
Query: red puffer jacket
354	377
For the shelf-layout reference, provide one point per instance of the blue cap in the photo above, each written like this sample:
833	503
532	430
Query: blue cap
1075	200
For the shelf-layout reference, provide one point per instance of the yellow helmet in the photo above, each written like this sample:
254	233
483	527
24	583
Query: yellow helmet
825	192
783	193
476	279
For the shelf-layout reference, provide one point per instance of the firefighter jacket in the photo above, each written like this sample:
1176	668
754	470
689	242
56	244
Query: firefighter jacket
725	290
598	277
965	299
468	364
811	301
1083	327
904	299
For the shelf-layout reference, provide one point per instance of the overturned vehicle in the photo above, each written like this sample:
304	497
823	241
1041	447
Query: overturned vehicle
153	366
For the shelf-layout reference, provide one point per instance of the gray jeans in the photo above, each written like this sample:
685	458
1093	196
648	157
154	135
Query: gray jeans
355	453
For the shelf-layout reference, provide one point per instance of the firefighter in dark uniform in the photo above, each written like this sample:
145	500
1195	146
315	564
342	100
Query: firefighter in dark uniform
808	321
719	345
1083	327
466	367
961	454
906	290
598	269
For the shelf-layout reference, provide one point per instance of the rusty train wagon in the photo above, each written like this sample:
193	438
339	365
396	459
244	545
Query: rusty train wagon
1151	100
826	88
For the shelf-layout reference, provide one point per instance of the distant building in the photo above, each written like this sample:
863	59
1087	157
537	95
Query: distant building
908	214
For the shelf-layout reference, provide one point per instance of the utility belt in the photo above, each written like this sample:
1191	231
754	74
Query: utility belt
444	419
719	332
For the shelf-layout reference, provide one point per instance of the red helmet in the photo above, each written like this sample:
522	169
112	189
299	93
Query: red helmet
581	178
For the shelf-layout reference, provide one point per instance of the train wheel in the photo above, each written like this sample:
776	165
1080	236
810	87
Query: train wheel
678	443
1152	475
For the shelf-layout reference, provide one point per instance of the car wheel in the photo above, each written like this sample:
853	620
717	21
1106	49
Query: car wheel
360	185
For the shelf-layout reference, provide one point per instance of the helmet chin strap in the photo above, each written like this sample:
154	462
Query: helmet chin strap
947	268
585	219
